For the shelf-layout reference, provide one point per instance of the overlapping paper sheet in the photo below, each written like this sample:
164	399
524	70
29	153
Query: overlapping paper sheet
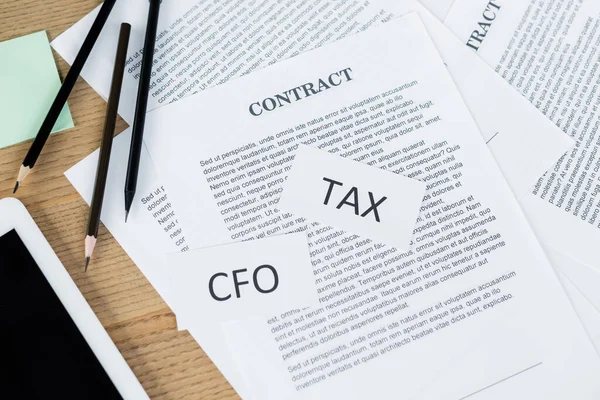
243	279
547	50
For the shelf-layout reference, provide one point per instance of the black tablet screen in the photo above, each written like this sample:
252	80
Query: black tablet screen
42	353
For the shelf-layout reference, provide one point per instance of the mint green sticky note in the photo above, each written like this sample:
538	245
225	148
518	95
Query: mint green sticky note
29	82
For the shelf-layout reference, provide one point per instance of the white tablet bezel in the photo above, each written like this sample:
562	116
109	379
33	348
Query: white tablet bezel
13	215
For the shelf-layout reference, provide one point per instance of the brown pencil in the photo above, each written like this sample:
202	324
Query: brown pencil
106	146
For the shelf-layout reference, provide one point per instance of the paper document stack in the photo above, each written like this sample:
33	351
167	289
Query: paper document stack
483	287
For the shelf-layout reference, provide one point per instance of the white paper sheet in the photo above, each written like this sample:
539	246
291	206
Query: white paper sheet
548	52
243	279
352	196
473	247
585	307
586	279
439	8
586	312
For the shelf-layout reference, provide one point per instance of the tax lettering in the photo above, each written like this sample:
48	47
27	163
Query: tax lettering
353	193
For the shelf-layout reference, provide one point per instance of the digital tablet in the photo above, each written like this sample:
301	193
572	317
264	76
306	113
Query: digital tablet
52	346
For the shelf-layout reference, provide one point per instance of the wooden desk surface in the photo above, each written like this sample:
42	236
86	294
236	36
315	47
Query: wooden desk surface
168	363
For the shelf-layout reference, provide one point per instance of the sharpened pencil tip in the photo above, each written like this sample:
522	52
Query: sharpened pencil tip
129	195
87	262
23	172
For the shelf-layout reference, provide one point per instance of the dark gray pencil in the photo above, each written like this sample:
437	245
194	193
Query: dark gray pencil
106	146
139	118
63	93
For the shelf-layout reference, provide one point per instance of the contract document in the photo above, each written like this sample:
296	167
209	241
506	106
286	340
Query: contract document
224	155
548	51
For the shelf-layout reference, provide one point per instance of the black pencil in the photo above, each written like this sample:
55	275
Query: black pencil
139	119
64	92
106	146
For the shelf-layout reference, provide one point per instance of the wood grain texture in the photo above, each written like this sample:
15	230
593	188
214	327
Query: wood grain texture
168	363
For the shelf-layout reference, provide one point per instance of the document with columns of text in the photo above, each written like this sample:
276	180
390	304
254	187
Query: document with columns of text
548	51
474	263
583	277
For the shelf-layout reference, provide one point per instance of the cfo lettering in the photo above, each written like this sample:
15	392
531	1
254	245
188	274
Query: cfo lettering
269	269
